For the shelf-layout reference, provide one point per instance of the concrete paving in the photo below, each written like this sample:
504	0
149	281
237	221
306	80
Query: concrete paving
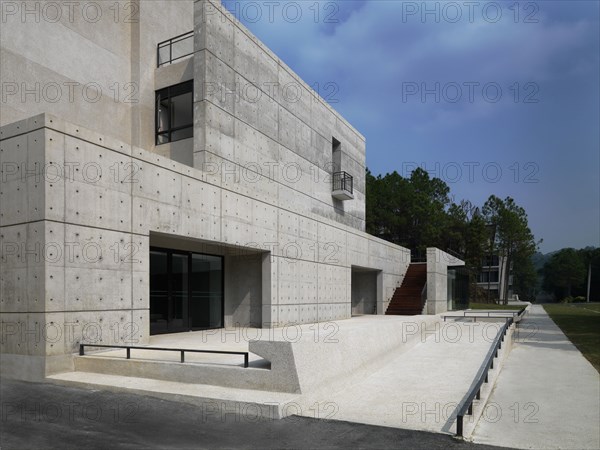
547	395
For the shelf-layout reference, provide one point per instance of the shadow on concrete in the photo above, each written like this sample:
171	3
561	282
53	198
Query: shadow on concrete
100	420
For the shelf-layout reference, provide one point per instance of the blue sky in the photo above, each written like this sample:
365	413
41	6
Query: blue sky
517	87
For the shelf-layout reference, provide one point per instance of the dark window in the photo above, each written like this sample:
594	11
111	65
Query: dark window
336	155
491	261
175	113
186	291
489	276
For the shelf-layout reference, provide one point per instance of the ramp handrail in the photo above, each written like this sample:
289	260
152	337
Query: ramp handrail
163	349
494	314
475	392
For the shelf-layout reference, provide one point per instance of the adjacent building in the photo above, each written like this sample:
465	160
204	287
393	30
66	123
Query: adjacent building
492	275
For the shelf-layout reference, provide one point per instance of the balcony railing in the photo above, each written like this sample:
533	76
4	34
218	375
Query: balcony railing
343	186
175	48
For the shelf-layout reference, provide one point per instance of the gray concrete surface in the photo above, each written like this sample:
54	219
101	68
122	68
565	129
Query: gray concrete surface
420	387
191	206
260	182
547	395
415	378
299	359
42	416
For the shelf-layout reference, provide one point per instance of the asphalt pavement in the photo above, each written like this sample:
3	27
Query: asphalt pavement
46	416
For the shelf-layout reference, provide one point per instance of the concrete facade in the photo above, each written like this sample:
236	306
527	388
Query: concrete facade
85	192
93	64
438	262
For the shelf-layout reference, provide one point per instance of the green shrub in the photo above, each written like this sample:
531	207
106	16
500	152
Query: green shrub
579	299
568	299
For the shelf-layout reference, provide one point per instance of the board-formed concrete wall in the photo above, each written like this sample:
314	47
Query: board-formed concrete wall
78	214
254	117
81	205
438	262
92	63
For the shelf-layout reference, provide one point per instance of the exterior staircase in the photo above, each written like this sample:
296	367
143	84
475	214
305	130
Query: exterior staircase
407	299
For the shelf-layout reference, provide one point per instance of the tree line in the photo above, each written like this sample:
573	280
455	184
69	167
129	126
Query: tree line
569	274
417	213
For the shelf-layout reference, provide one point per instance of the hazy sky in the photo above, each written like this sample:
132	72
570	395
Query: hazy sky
493	97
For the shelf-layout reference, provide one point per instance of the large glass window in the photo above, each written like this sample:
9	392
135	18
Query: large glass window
186	291
175	113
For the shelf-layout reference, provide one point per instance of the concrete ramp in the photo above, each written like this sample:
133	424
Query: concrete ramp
420	388
398	371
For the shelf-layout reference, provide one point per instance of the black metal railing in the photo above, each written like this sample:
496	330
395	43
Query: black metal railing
343	181
455	253
418	256
482	377
493	314
182	351
175	48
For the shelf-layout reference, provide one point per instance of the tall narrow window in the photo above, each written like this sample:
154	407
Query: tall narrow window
175	113
336	155
342	182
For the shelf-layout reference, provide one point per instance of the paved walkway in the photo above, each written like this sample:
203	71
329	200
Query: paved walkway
547	395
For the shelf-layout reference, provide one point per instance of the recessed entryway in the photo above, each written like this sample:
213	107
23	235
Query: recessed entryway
364	290
186	291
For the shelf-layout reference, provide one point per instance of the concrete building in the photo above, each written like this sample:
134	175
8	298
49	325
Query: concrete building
492	276
164	171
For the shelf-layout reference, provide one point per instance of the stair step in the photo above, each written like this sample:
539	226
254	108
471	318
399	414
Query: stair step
406	299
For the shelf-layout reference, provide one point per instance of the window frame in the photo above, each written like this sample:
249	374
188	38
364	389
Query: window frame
169	93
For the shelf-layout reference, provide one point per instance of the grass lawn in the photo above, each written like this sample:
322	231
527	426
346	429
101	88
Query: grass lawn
581	323
492	306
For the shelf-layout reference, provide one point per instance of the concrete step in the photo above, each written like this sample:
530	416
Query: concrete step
218	375
212	400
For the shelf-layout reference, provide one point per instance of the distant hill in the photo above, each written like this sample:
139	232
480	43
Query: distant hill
539	259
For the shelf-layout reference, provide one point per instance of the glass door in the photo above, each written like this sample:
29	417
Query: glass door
159	291
206	308
186	291
179	317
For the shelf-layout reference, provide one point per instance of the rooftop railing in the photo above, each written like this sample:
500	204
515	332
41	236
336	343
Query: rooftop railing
175	49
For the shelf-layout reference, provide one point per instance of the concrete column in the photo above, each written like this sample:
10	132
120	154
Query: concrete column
269	311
